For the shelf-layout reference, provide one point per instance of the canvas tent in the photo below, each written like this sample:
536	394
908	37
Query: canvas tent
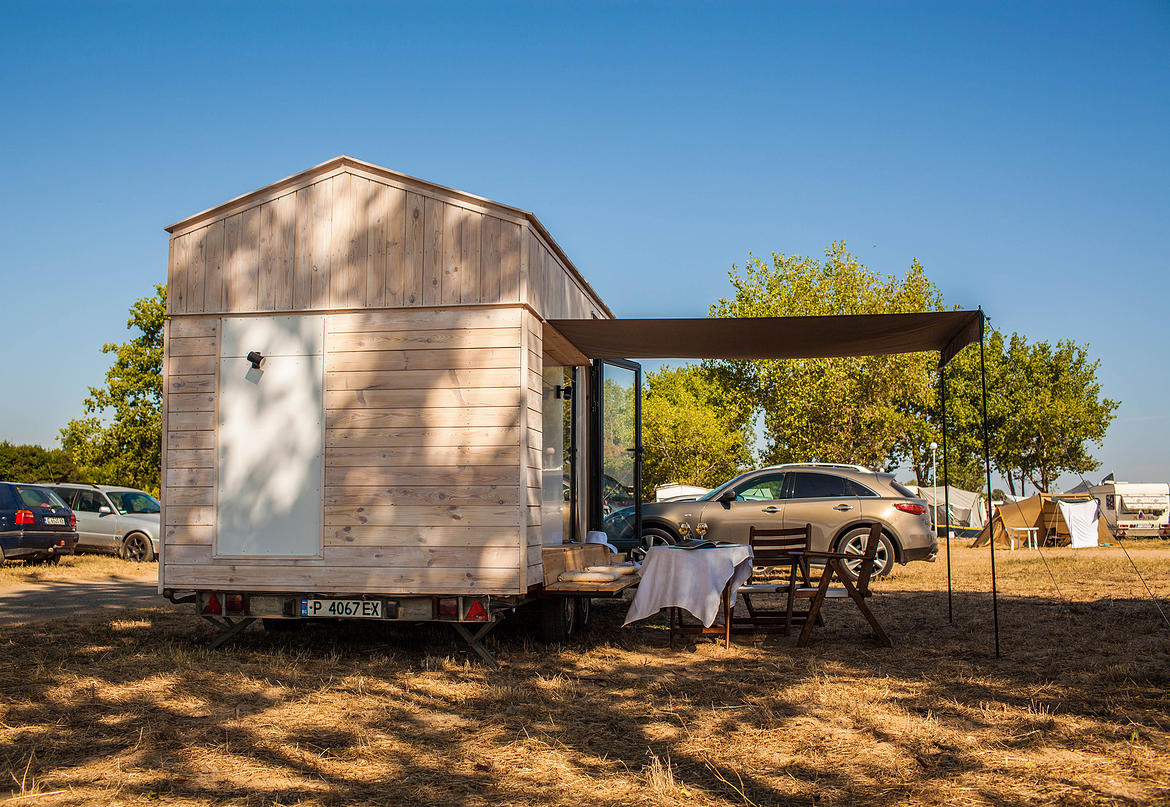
967	509
1042	511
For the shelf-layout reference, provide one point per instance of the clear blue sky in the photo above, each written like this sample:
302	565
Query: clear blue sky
1020	151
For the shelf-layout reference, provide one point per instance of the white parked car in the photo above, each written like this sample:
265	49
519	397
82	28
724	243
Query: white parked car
113	520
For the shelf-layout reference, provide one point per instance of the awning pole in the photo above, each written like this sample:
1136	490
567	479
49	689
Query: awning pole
987	467
942	373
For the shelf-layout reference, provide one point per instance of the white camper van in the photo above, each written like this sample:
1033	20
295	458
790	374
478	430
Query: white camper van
1135	510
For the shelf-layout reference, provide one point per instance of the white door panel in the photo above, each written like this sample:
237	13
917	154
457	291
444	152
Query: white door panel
271	443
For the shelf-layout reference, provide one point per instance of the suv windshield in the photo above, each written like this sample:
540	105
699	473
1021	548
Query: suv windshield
712	495
38	497
133	501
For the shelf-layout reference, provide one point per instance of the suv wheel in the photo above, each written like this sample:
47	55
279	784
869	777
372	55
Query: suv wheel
652	536
853	543
137	548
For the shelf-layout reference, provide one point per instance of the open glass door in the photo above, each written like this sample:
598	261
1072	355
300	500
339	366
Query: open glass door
616	455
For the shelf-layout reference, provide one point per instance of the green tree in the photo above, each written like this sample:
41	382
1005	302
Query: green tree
33	463
694	430
119	440
1045	408
871	410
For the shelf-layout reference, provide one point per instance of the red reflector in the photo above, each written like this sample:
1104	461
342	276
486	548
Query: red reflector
233	602
449	606
912	509
212	606
61	543
476	612
25	518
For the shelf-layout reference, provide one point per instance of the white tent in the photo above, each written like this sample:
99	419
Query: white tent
968	511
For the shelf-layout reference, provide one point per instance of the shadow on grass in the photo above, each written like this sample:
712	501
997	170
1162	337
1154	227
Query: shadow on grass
136	709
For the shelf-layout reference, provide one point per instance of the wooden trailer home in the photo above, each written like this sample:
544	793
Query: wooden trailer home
366	410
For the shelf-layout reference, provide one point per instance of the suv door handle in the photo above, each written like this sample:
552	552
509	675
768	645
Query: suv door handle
772	509
843	507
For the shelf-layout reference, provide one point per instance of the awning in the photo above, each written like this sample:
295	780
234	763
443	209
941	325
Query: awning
1150	503
773	337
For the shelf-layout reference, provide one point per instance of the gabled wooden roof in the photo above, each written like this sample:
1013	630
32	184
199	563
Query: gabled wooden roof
346	163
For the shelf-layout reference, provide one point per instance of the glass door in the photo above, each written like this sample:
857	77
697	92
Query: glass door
616	456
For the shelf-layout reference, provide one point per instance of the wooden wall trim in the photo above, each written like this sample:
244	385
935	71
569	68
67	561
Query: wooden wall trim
522	464
164	436
549	243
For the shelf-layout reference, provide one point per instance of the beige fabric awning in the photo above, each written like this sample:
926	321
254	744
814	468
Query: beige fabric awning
773	337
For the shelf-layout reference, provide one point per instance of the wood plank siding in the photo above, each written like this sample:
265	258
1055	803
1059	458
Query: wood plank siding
428	483
434	303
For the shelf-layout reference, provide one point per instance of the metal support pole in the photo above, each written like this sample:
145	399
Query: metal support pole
987	468
934	483
946	487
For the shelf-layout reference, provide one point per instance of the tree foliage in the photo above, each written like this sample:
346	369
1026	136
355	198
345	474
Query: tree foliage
33	463
1044	405
119	440
695	431
871	410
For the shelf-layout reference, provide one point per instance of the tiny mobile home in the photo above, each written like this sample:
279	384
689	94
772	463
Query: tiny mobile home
365	408
386	398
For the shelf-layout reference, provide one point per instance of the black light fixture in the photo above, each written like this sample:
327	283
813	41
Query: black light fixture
256	358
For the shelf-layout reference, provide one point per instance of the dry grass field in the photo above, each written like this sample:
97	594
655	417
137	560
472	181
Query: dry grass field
71	567
135	711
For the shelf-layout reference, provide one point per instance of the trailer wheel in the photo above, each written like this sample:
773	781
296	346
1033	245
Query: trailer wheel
556	619
584	614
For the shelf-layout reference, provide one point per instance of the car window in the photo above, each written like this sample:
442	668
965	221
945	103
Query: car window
134	501
817	486
902	490
765	488
714	494
89	501
32	496
68	495
857	489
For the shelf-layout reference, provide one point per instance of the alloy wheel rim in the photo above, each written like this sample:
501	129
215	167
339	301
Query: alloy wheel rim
136	548
856	546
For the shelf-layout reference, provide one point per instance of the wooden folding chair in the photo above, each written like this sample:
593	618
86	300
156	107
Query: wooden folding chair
835	567
772	551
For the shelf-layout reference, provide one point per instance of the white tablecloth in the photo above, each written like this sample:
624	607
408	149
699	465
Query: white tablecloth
689	578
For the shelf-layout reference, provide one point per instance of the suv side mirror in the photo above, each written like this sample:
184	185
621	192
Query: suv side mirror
105	510
727	496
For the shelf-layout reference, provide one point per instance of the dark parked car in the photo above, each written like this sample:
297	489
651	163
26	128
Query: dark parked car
35	525
840	501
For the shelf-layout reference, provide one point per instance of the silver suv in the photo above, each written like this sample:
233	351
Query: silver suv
840	501
113	520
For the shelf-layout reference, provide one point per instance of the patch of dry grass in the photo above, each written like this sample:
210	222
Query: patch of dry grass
135	710
73	567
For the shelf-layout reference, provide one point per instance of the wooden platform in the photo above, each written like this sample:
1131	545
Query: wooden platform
607	589
570	557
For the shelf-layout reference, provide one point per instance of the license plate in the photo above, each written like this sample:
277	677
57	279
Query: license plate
57	520
359	609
